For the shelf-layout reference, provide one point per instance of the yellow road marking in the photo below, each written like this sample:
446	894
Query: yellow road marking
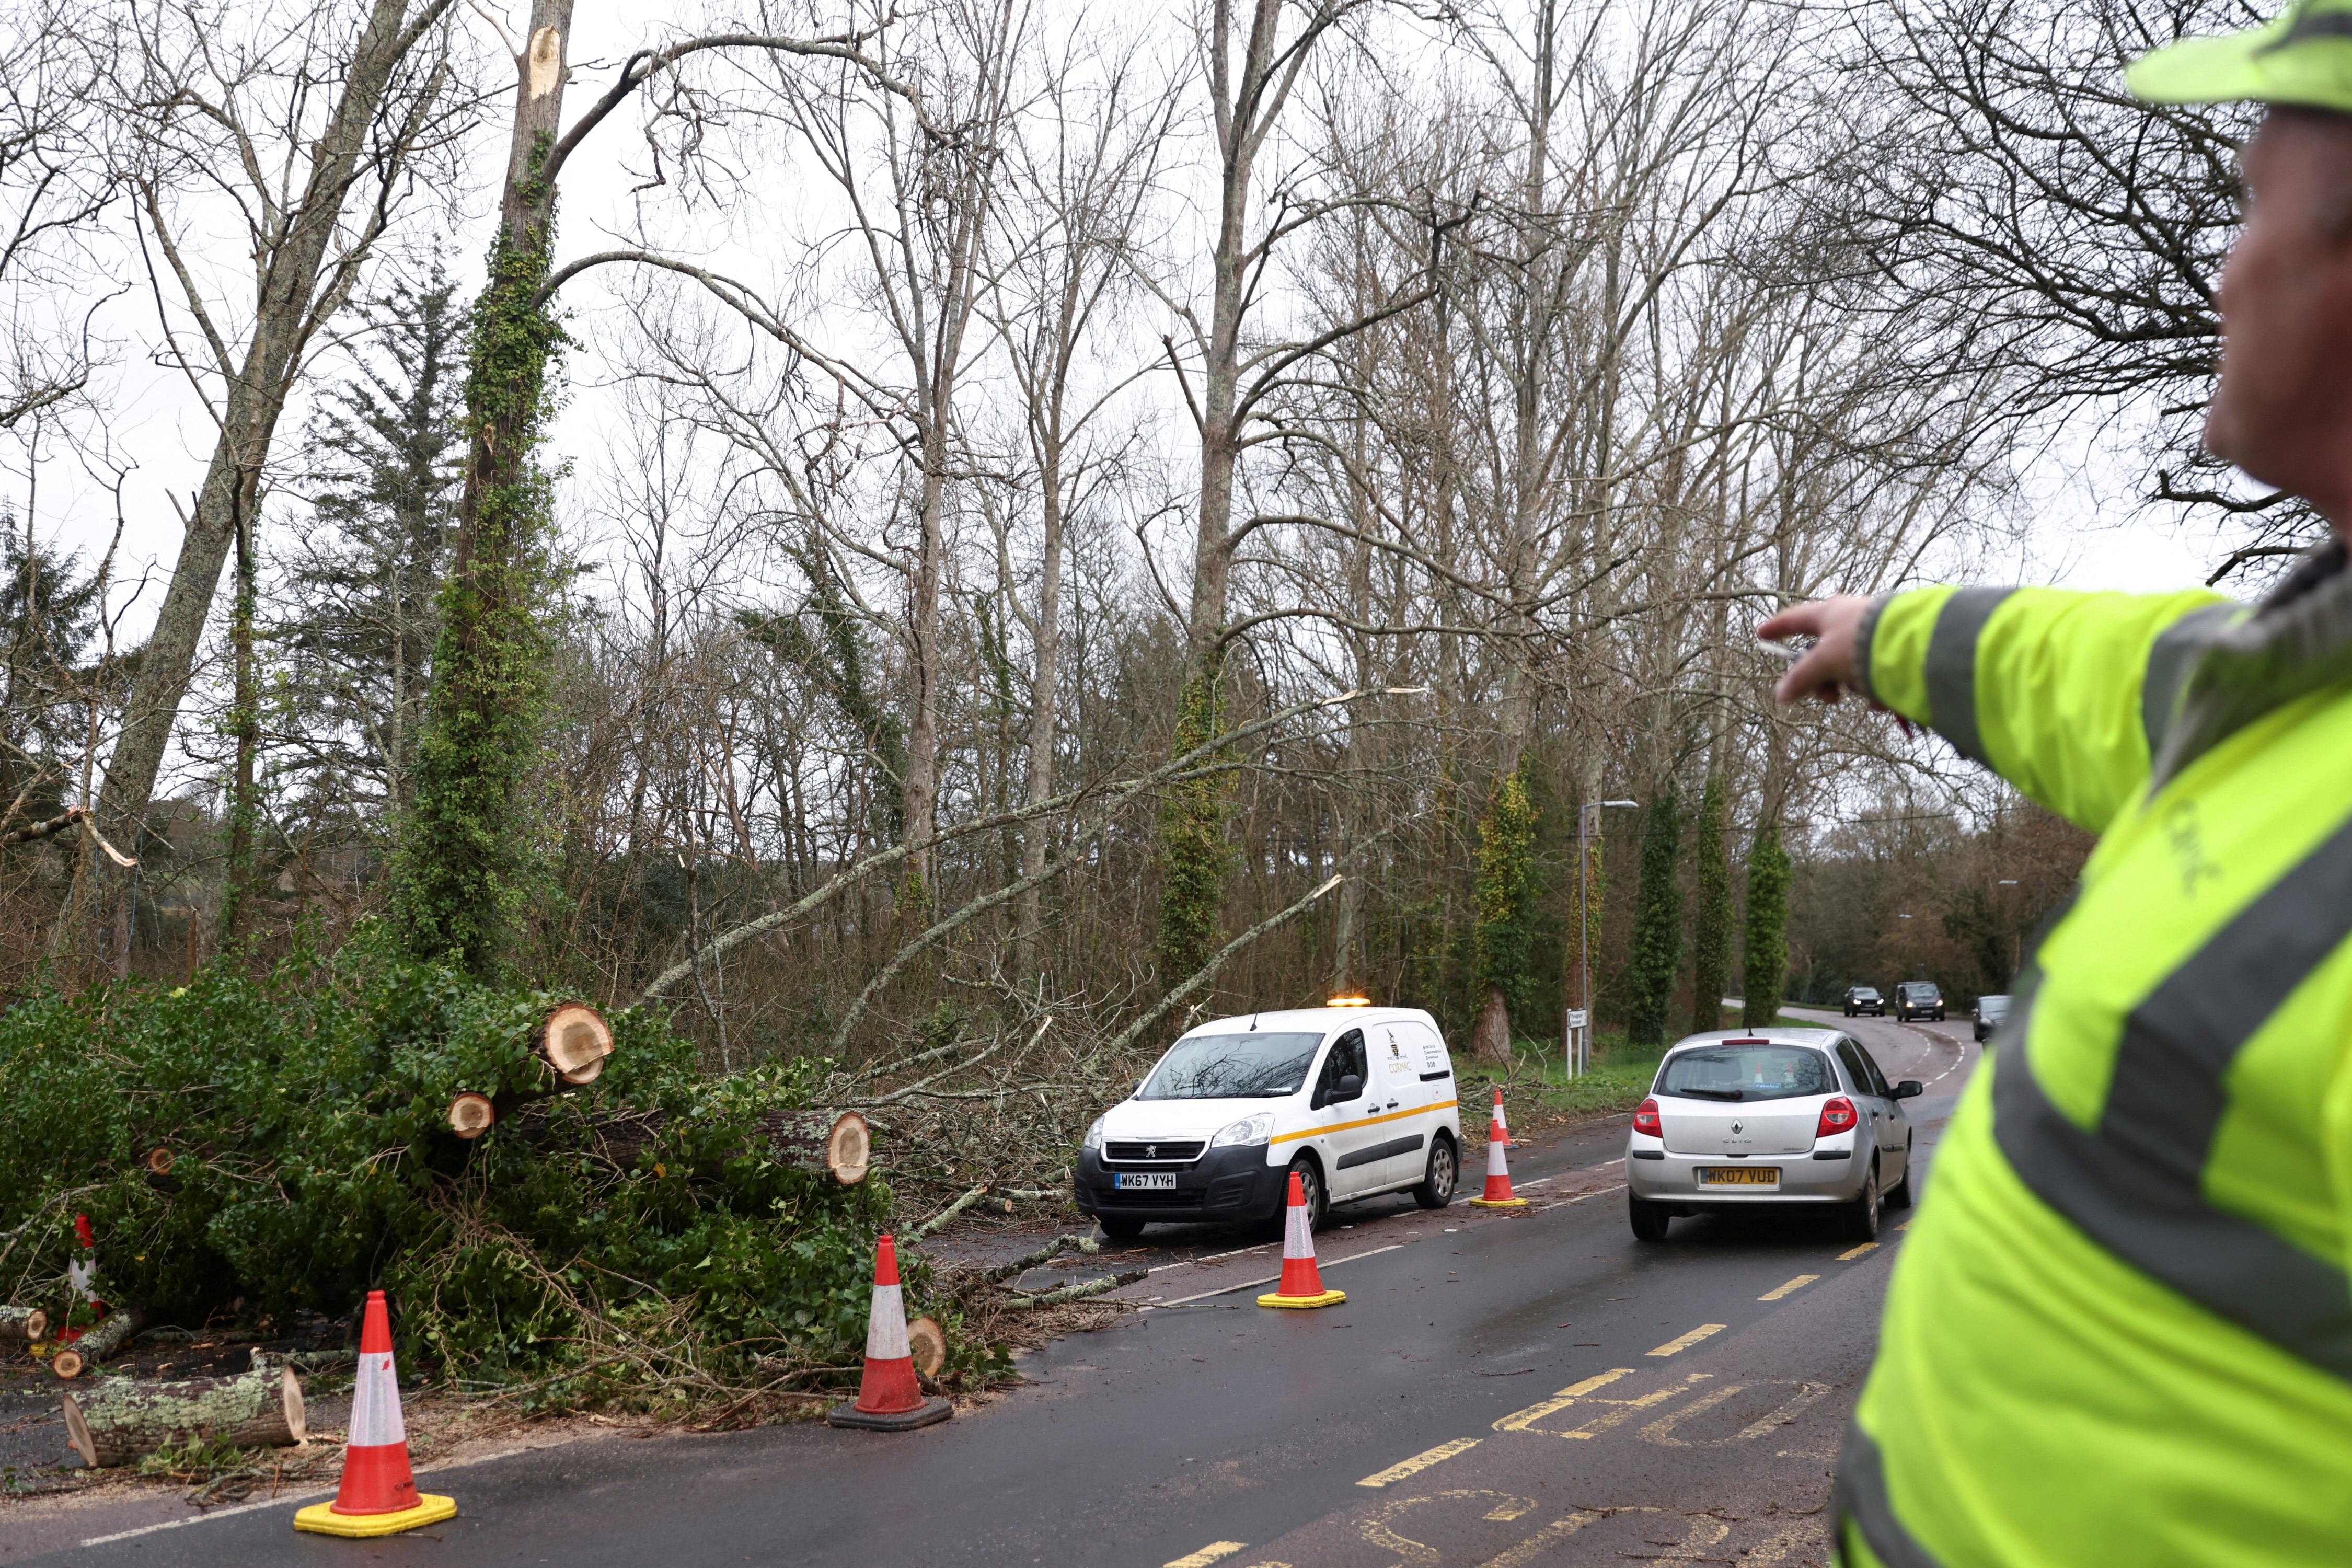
1215	1551
1419	1462
1619	1411
1790	1288
1904	1226
1367	1121
1852	1253
1676	1346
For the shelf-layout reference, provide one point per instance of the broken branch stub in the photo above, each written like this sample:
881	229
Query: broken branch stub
118	1328
118	1419
471	1115
575	1040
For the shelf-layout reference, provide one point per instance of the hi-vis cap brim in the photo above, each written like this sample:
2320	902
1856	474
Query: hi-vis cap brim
2303	58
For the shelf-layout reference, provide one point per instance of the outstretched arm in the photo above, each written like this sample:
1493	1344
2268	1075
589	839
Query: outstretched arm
2066	694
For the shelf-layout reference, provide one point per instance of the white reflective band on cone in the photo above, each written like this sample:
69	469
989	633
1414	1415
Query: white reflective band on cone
376	1404
886	1326
1500	1125
1298	1234
1494	1166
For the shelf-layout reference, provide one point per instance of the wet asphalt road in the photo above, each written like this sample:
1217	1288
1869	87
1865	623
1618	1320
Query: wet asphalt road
1497	1389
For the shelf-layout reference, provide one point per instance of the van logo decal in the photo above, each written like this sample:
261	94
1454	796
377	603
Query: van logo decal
1152	1150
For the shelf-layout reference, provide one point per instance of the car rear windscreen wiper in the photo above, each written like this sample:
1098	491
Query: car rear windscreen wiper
1711	1093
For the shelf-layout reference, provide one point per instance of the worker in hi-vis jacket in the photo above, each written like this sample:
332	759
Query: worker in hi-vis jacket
2120	1329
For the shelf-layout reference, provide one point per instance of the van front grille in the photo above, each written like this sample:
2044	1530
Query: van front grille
1162	1151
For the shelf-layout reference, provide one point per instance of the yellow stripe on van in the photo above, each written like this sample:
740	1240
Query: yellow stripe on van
1367	1121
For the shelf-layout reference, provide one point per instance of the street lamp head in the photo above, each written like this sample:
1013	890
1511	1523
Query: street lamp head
1633	803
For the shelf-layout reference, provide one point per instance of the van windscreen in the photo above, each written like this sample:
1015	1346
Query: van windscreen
1231	1067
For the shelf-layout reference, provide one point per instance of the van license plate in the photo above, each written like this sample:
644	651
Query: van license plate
1739	1175
1150	1181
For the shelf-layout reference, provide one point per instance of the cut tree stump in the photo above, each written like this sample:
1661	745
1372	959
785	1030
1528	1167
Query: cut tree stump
116	1331
845	1148
929	1343
25	1325
118	1420
471	1115
575	1040
160	1162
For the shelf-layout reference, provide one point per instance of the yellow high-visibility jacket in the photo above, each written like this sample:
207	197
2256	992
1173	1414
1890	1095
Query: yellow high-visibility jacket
2120	1330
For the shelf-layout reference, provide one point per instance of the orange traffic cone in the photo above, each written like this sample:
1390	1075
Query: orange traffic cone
888	1397
1497	1195
1302	1283
379	1496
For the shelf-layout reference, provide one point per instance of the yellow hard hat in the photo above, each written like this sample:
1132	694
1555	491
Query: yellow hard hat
2303	58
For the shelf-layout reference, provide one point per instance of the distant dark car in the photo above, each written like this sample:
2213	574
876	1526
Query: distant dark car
1918	999
1860	999
1991	1013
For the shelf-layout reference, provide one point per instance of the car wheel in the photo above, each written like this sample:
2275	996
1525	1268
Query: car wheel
1649	1220
1437	1184
1120	1229
1900	1198
1862	1214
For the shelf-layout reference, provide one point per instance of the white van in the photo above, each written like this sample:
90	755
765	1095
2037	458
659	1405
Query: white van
1356	1099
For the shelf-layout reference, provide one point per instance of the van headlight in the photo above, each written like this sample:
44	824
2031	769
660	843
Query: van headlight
1248	1129
1094	1134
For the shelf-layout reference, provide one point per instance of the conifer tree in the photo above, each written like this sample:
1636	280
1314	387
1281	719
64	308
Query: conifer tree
1767	927
1507	889
1711	921
1658	924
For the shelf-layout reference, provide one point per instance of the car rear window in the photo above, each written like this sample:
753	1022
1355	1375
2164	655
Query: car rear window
1231	1067
1746	1072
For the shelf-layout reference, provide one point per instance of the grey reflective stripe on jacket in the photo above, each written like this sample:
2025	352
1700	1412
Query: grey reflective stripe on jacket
2136	1183
2298	642
1952	667
2174	654
1858	1497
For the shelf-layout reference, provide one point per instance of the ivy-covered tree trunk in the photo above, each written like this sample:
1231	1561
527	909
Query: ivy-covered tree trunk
245	721
1657	925
464	861
1507	889
1712	921
1767	927
1193	854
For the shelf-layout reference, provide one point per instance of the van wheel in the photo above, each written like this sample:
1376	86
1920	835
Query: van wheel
1120	1229
1436	1189
1861	1217
1318	1201
1649	1220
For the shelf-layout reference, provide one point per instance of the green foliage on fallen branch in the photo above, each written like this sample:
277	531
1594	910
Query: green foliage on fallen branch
632	1241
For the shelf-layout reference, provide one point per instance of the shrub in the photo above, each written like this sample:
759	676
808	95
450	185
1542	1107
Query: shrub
591	1243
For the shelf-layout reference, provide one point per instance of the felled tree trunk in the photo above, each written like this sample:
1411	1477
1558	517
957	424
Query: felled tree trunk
117	1421
22	1325
100	1343
845	1149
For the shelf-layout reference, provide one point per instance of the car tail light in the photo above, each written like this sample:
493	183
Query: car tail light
1645	1120
1837	1116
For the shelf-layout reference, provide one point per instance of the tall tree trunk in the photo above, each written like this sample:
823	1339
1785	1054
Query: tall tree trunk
1044	687
923	608
286	316
1711	929
243	802
462	866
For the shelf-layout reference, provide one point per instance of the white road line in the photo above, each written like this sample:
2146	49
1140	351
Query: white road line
287	1501
1539	1182
1249	1284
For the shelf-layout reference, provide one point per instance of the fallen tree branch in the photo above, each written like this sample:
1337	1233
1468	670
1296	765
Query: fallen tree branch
1082	1289
1208	971
119	1329
947	1214
37	831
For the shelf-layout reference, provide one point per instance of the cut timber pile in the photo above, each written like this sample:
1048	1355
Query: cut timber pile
117	1329
26	1325
116	1420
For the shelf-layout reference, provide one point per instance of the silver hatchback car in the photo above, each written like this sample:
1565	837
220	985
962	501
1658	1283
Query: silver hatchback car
1787	1116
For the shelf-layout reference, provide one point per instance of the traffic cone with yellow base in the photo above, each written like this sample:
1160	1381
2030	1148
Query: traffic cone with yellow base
379	1495
889	1398
1497	1195
1302	1284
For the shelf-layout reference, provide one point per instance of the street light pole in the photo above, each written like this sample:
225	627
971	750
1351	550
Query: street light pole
1588	828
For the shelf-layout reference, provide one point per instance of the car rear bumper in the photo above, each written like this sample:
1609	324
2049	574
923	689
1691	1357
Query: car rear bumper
1652	1174
1222	1185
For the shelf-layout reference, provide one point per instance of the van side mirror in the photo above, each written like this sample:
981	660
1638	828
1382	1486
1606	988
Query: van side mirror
1909	1088
1351	1086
